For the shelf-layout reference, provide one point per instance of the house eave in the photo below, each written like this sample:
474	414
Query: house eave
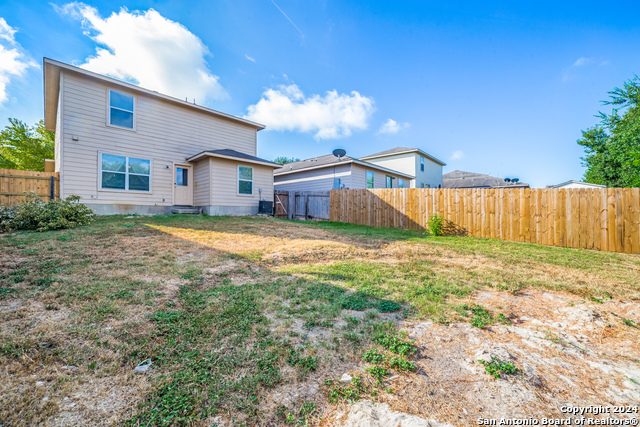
417	150
223	156
346	162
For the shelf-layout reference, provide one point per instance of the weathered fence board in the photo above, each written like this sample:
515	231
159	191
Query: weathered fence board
605	219
15	183
307	205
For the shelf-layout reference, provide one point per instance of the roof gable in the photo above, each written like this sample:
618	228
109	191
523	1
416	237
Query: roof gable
51	70
403	150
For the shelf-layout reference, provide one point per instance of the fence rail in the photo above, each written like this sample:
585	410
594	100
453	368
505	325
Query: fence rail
606	219
15	183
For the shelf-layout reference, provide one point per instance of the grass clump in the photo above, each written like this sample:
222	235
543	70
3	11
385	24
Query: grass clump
350	393
497	367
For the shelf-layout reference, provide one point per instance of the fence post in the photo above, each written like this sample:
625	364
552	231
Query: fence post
306	208
292	205
52	189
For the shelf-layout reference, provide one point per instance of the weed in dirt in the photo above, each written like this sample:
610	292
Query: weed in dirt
481	316
373	356
378	373
349	393
504	319
396	344
497	367
630	322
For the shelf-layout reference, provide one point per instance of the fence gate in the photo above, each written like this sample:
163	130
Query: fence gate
281	201
306	205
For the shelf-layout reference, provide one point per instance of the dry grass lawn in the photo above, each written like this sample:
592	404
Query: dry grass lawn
252	321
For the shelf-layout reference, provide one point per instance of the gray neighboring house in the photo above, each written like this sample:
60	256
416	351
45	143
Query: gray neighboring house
462	179
329	172
425	169
576	184
126	149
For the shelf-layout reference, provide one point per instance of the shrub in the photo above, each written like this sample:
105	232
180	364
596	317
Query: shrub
6	217
36	214
436	224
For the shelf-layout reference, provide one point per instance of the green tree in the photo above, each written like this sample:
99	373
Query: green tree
24	147
612	147
284	160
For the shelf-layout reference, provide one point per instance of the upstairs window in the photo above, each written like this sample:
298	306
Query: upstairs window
388	181
422	164
245	180
121	109
369	179
124	173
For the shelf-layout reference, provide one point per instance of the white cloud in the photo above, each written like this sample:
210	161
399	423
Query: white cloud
457	155
581	61
391	127
13	62
330	116
146	48
249	58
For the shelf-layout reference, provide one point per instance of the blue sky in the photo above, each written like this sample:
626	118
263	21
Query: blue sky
503	88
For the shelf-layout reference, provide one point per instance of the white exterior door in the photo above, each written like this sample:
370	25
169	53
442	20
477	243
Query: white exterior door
183	185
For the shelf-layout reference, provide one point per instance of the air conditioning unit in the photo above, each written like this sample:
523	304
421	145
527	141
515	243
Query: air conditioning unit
265	207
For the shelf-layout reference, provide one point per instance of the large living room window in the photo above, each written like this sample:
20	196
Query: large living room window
245	180
124	173
121	109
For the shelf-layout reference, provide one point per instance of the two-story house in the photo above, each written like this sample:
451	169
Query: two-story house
126	149
426	169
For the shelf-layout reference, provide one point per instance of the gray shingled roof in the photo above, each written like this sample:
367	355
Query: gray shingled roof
327	161
462	179
237	154
403	150
313	162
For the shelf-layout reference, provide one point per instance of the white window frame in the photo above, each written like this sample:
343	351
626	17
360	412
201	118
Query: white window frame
253	178
135	107
366	179
126	174
421	164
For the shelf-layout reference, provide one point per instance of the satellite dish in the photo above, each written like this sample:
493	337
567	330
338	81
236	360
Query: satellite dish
339	152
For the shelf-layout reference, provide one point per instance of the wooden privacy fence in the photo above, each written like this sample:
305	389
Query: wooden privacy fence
307	205
14	183
606	219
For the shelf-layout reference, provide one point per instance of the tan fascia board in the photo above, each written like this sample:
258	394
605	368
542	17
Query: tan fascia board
417	150
49	66
223	156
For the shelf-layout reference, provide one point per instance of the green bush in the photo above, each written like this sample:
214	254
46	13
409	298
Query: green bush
6	217
36	214
436	224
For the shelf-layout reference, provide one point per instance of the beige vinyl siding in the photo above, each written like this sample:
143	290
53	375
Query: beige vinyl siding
432	174
409	163
359	178
202	182
314	180
164	133
224	183
404	163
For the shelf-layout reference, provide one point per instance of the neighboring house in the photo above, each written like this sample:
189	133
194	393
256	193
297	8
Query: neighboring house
330	172
125	149
576	184
426	169
462	179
